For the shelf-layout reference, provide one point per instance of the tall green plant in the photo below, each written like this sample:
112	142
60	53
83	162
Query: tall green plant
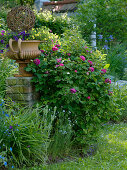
24	134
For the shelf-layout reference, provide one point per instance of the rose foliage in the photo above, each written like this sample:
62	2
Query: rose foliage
77	83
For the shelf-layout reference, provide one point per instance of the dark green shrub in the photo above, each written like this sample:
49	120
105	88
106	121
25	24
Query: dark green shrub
110	18
77	83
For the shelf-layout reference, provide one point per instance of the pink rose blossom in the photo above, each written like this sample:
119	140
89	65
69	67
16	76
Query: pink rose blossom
61	64
87	73
57	66
91	69
73	90
108	81
37	61
82	57
75	71
104	71
69	54
90	62
42	51
88	97
54	48
58	60
57	45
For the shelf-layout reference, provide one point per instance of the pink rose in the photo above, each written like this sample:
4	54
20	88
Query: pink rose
91	69
88	97
58	60
87	73
90	62
54	48
104	71
73	90
108	81
61	64
42	51
75	71
37	61
82	57
57	45
69	54
57	66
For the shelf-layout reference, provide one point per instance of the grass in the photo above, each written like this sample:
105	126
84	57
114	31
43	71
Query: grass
111	153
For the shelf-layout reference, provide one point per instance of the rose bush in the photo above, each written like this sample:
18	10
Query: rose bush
77	83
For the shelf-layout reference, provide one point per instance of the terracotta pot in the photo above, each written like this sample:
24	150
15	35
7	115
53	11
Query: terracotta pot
23	52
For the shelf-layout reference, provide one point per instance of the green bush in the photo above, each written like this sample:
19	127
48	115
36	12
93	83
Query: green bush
24	134
110	18
117	58
56	24
76	83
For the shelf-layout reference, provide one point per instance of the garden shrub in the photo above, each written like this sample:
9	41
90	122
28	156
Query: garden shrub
24	134
117	58
56	24
109	16
76	82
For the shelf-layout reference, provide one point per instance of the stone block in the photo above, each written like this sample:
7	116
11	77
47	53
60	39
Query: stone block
19	89
11	81
20	97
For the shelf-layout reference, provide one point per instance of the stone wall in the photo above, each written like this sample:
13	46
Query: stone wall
21	90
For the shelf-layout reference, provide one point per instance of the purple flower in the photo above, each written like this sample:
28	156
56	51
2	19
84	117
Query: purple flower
88	97
42	51
91	69
104	71
10	127
69	54
111	37
2	41
57	45
61	64
100	36
82	57
106	47
73	90
1	51
3	31
90	62
108	81
57	66
54	48
37	61
58	60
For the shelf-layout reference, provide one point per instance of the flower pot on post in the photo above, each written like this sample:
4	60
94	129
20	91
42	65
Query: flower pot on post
23	52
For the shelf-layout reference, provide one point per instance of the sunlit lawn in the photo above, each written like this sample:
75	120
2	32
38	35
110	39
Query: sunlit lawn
111	153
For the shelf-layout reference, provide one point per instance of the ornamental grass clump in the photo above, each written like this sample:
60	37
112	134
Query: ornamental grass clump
76	85
24	135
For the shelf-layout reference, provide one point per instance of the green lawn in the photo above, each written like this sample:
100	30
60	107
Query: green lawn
111	153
